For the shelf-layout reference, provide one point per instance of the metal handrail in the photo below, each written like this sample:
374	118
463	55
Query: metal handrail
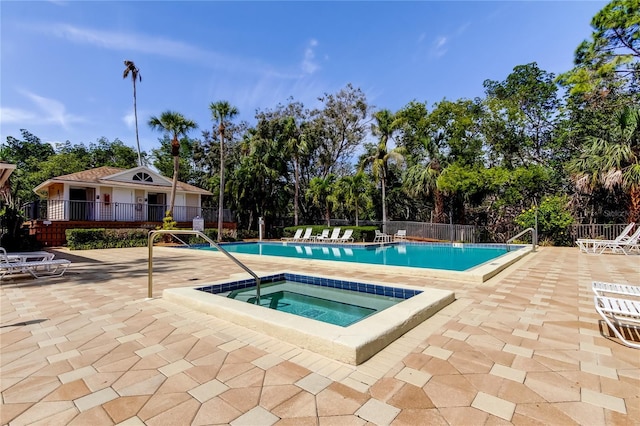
534	238
152	235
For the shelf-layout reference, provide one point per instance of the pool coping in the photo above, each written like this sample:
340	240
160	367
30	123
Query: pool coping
353	344
478	274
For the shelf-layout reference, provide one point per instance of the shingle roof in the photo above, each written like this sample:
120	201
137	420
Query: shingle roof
99	175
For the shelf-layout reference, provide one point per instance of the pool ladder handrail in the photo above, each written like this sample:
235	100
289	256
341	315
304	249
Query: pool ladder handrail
534	238
152	235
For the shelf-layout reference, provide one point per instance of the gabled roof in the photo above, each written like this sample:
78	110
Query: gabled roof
105	176
5	171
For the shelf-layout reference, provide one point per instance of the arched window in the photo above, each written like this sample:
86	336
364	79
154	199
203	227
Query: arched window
142	177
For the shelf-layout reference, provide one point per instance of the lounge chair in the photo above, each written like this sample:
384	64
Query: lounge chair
307	235
626	246
346	237
37	268
400	235
589	245
381	237
295	237
26	256
623	313
602	288
324	235
334	235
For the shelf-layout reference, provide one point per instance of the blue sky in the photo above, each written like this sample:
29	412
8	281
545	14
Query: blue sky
62	61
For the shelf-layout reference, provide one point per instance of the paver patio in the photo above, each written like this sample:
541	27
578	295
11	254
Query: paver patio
525	347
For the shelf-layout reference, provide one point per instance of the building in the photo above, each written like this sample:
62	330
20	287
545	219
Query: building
111	197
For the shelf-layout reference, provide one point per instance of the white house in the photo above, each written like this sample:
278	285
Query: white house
123	195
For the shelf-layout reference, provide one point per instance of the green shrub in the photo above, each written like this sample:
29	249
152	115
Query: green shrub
100	238
554	219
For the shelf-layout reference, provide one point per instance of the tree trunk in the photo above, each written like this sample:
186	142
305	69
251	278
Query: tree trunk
297	189
384	207
135	114
328	213
356	212
221	194
634	204
176	166
439	206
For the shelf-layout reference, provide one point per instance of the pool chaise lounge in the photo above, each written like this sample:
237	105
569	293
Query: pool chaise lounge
36	268
594	245
346	237
297	236
620	314
602	288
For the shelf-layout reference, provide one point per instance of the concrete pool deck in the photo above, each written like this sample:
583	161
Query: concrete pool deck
524	347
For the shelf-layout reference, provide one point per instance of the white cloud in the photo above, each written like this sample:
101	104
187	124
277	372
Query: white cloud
157	45
15	115
309	66
47	111
439	46
52	111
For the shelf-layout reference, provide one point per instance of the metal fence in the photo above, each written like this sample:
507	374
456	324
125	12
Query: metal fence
597	230
435	231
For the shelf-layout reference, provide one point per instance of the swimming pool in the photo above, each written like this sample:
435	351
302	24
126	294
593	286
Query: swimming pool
328	300
450	257
353	344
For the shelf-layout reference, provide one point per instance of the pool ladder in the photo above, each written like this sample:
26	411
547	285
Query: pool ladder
534	238
212	243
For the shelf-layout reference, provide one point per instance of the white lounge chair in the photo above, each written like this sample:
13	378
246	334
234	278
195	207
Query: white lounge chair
334	235
602	289
400	235
37	268
626	246
307	235
381	237
618	314
295	237
324	235
346	237
589	245
26	256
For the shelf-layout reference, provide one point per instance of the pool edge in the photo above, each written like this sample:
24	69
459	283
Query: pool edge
352	345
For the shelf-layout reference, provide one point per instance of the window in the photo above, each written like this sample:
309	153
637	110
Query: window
142	177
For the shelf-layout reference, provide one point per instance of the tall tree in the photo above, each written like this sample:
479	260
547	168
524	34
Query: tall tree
613	161
384	127
339	128
131	69
221	113
354	191
176	125
612	56
321	191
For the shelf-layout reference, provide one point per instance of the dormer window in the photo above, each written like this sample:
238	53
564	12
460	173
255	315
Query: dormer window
142	177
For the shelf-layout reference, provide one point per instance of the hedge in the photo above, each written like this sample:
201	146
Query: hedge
100	238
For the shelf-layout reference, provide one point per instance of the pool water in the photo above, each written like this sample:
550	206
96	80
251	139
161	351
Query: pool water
330	305
433	256
329	300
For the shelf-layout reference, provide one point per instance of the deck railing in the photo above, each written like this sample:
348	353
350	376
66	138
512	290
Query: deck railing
597	230
116	212
435	231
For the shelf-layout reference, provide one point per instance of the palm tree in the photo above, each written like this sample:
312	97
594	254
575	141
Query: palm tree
176	125
613	161
384	127
321	191
221	111
297	146
421	179
130	68
354	191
